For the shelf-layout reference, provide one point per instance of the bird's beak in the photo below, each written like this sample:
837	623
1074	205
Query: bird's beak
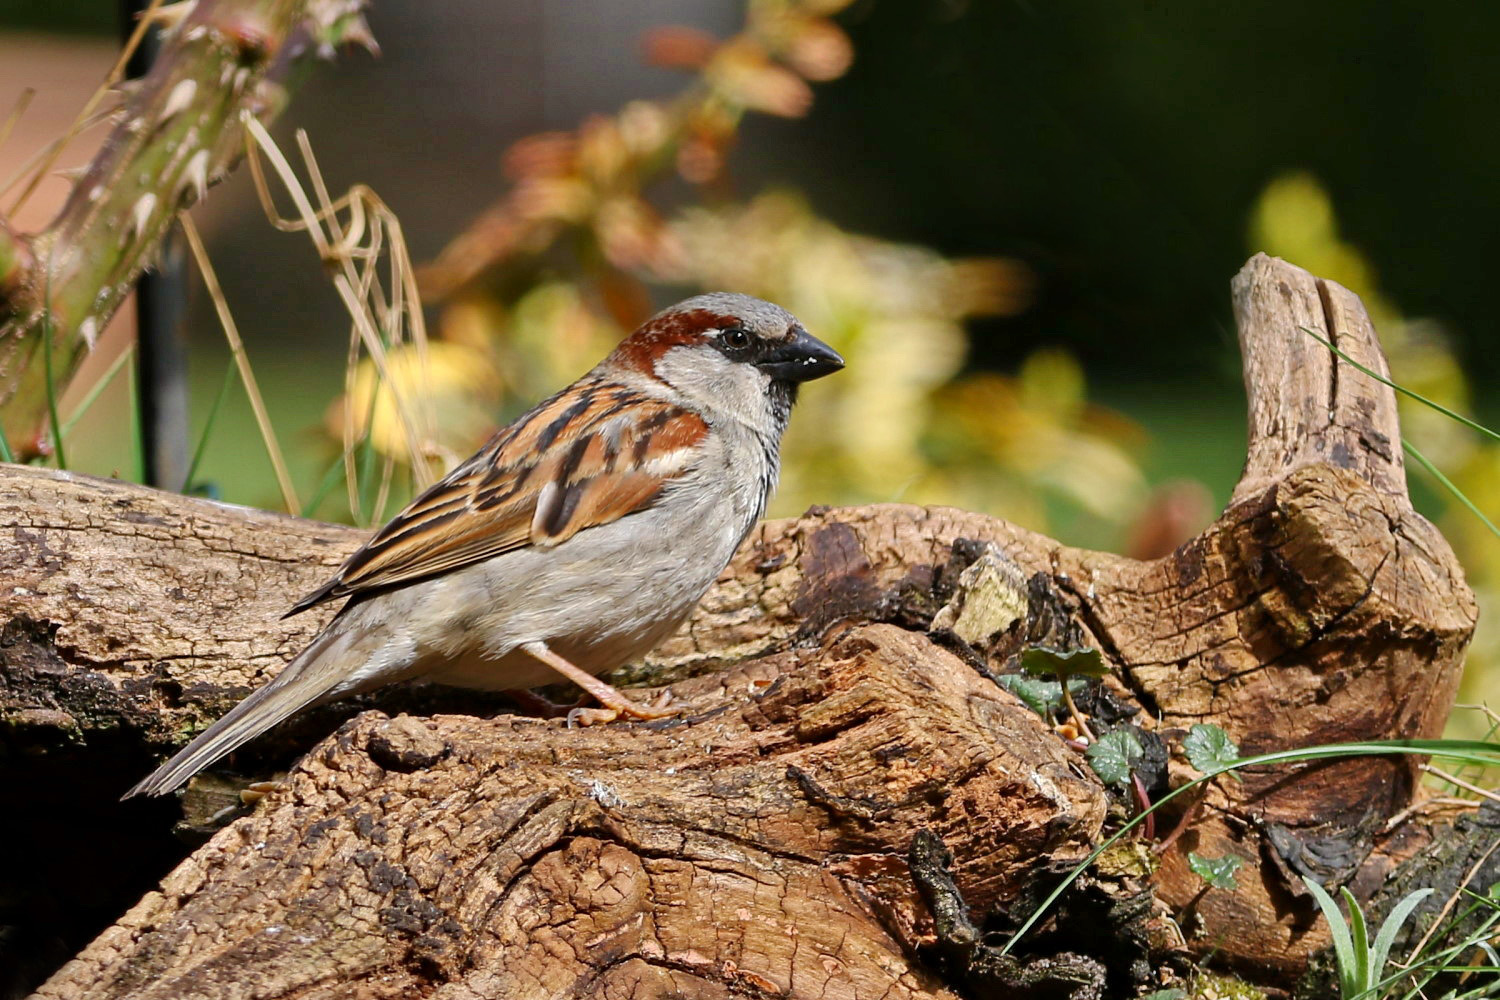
800	359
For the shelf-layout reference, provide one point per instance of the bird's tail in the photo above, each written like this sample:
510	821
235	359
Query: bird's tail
314	674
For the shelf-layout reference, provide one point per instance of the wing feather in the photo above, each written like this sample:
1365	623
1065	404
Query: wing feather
593	454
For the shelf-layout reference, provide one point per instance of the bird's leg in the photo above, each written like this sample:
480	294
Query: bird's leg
615	704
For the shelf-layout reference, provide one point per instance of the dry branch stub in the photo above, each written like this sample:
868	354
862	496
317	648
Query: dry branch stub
758	845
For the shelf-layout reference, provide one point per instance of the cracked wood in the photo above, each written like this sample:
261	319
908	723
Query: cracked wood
1319	607
677	858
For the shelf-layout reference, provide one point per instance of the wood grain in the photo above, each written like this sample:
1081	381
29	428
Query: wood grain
757	845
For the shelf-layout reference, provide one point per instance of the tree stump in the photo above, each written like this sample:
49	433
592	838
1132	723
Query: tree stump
758	845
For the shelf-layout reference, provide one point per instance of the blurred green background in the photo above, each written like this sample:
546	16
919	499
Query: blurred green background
1103	169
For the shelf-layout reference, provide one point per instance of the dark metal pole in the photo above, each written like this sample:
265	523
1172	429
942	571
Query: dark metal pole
161	341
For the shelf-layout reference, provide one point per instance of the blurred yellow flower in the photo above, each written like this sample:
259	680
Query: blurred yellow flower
455	384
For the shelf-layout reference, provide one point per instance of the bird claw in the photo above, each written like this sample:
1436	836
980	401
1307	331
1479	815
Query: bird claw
658	709
257	790
591	716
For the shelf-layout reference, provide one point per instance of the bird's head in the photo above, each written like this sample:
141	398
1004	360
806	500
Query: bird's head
729	352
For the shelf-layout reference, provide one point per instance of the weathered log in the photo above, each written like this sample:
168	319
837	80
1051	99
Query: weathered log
734	849
759	842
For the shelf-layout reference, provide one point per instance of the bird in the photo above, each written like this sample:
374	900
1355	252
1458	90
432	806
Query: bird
577	538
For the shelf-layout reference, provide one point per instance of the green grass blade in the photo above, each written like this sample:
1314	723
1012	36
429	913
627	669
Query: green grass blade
1469	771
1343	940
1490	902
57	434
208	426
1471	751
5	453
137	449
1448	484
1440	963
1360	933
1473	425
99	387
1491	989
1392	926
1409	448
363	480
325	486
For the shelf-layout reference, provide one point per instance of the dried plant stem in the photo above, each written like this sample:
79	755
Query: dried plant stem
242	362
1482	708
22	103
383	492
1458	782
1077	716
49	151
1442	914
353	234
176	133
116	72
1428	805
346	246
342	252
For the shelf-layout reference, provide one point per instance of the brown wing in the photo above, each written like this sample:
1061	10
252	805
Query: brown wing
586	457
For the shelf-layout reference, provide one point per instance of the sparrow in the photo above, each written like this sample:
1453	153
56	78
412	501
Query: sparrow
579	537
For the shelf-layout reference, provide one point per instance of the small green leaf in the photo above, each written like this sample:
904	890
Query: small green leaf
1044	661
1209	748
1166	995
1217	872
1114	755
1042	697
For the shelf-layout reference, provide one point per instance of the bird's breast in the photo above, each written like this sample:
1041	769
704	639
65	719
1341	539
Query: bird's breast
602	598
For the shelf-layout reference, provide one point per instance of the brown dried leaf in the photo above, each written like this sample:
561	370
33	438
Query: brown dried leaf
743	74
819	50
544	153
679	47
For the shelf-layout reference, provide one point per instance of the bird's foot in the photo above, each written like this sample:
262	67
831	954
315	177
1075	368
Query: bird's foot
583	717
257	790
618	704
614	703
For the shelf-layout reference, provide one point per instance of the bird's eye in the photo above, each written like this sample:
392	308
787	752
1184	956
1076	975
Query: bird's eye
735	338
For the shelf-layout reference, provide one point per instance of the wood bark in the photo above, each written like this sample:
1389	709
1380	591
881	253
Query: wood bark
758	844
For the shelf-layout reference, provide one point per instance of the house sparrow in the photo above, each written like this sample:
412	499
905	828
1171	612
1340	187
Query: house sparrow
577	538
